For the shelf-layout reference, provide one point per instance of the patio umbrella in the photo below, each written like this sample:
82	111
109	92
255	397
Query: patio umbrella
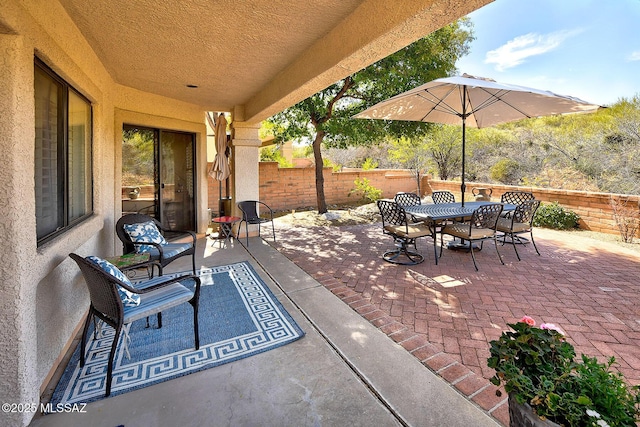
474	101
220	169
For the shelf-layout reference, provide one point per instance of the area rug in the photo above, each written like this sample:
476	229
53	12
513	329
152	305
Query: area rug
238	316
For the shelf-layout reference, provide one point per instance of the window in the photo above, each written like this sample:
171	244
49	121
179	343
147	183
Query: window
62	155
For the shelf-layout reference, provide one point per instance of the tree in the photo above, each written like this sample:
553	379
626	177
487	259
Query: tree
325	118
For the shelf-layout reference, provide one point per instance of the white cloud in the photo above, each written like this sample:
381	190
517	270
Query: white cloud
516	51
634	56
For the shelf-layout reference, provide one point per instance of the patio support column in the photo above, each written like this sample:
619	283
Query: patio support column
18	334
245	144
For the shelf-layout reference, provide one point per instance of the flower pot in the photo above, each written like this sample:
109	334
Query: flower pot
521	415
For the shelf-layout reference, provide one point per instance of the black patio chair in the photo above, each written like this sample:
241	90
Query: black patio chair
514	198
481	227
142	233
395	224
408	199
107	289
439	197
520	221
257	213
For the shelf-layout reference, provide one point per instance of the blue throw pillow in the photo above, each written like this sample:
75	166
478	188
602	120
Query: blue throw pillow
144	232
129	299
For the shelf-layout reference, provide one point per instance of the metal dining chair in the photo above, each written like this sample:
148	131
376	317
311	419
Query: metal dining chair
439	197
519	222
405	234
481	227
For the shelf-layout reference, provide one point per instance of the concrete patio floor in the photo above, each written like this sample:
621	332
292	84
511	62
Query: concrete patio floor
445	314
345	371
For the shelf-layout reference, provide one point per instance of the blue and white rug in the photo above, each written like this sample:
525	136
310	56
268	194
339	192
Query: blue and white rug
238	316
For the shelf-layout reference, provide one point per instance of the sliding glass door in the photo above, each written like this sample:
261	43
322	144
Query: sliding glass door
158	175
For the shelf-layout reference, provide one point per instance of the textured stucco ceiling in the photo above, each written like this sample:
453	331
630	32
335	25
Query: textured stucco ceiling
253	56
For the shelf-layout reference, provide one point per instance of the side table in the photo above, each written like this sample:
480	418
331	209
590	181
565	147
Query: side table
226	227
131	262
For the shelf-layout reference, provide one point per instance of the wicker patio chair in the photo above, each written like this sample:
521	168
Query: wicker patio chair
519	222
251	215
116	301
395	224
481	227
139	233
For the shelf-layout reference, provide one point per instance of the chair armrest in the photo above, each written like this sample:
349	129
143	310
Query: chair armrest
178	232
162	284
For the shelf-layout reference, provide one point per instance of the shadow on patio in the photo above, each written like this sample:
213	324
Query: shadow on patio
445	315
343	372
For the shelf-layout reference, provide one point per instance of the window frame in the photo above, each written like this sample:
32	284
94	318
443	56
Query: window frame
64	158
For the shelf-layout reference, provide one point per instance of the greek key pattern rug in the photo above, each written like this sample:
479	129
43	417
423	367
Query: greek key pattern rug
238	316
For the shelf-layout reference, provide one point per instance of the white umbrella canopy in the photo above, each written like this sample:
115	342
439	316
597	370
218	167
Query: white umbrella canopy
473	101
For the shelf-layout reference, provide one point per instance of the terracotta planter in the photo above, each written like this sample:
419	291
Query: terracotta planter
521	415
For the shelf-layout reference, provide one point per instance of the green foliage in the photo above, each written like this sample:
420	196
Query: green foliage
506	171
326	117
302	152
369	164
137	156
327	163
552	215
368	193
273	153
536	366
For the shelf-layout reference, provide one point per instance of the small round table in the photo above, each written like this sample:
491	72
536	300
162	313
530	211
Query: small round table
226	227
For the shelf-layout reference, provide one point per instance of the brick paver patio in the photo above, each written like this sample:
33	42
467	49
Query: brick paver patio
445	315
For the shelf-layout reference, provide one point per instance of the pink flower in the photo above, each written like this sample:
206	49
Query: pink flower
552	327
528	320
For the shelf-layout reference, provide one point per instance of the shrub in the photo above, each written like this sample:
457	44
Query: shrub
506	171
537	366
369	164
369	192
552	215
627	217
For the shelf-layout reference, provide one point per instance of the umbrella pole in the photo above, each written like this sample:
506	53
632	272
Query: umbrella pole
464	126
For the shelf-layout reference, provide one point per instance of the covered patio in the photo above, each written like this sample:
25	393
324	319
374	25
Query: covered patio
76	76
388	344
344	371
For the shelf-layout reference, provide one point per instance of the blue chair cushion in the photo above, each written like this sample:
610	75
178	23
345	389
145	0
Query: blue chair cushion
145	232
129	299
157	300
170	250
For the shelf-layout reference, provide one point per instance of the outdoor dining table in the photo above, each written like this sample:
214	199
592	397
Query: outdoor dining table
434	213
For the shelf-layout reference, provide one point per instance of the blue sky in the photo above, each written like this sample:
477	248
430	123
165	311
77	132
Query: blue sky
584	48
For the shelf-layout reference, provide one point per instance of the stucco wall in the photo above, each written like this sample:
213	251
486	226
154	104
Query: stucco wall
43	296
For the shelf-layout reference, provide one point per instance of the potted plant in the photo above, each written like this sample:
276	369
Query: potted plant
547	385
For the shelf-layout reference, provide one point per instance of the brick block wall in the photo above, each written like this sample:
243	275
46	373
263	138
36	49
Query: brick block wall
295	188
595	210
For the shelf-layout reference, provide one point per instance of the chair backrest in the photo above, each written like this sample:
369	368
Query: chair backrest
516	197
128	246
102	289
407	199
525	212
486	216
249	209
439	197
392	213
